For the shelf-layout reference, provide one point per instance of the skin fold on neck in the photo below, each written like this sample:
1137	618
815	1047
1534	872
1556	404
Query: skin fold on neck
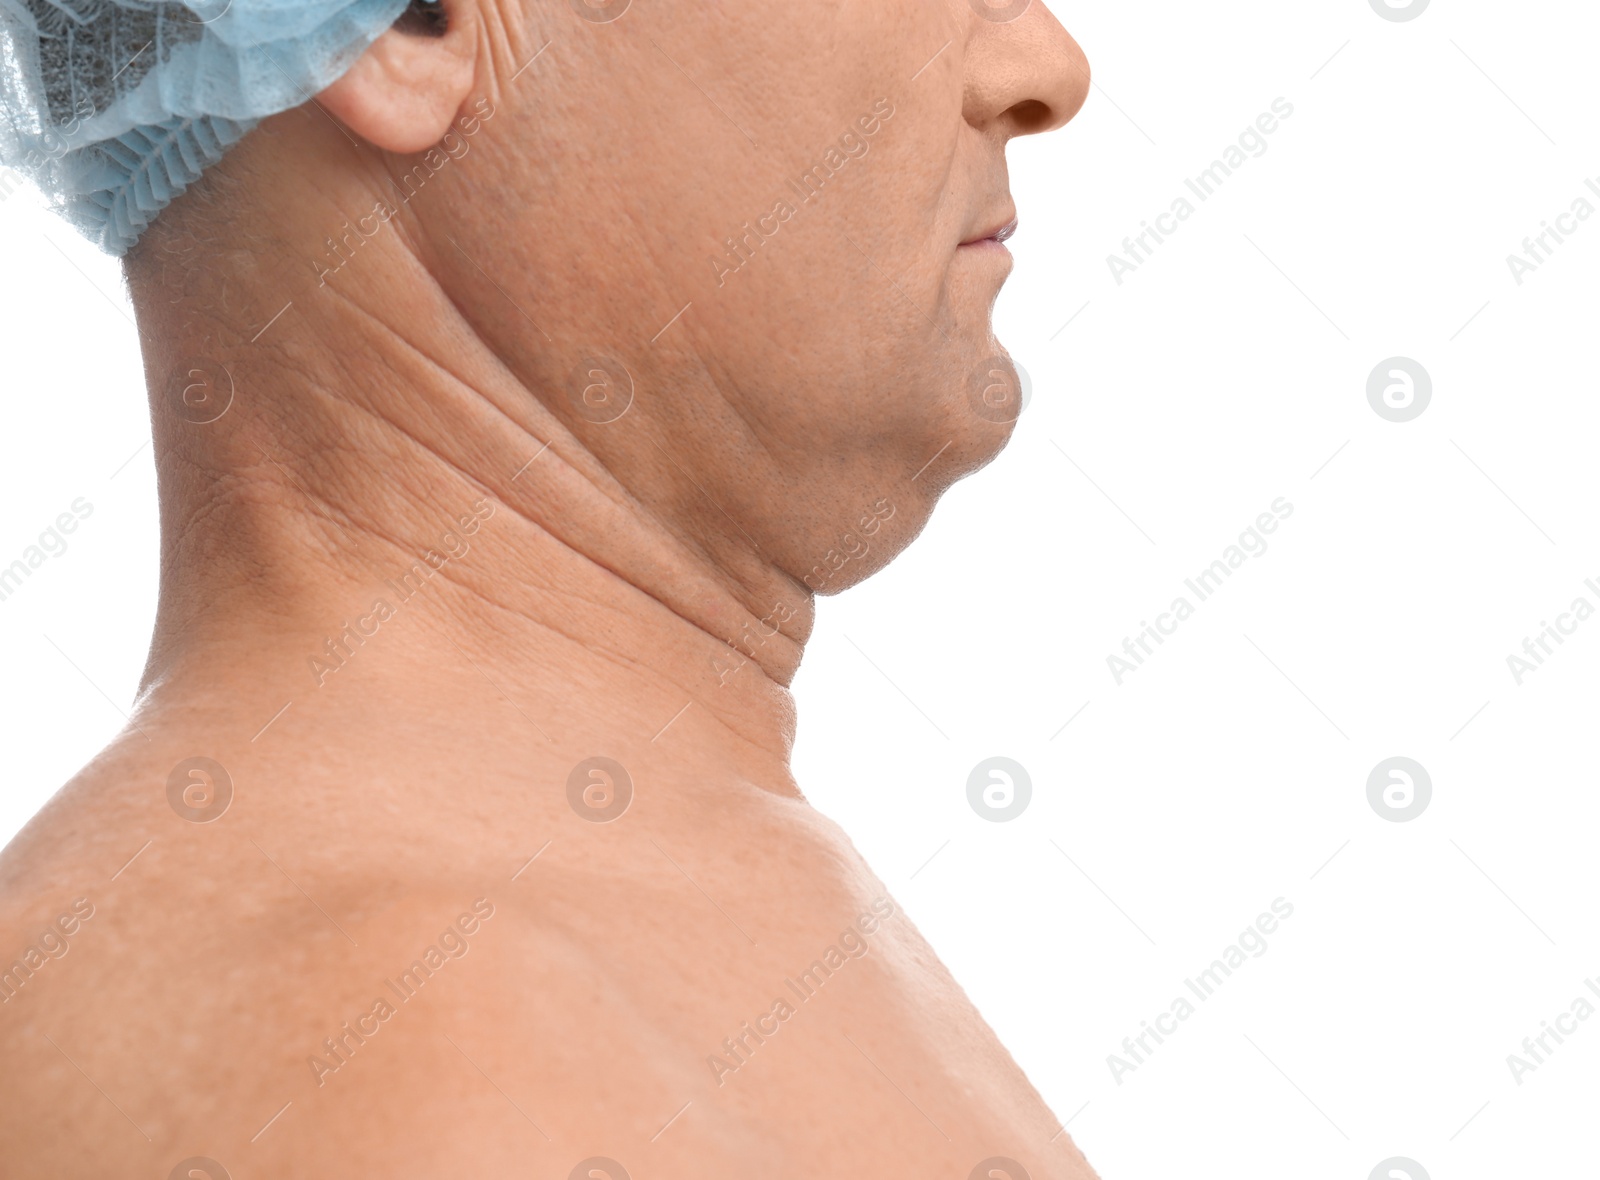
594	609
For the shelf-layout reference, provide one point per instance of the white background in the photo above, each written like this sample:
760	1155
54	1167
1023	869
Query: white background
1228	370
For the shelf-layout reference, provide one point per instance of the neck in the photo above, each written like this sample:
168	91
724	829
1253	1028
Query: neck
413	533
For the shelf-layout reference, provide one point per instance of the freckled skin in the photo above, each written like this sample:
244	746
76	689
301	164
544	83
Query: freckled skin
527	472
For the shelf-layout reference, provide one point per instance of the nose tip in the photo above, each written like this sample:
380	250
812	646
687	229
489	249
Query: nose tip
1075	89
1063	72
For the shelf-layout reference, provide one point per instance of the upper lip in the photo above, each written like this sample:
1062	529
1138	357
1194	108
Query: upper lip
997	231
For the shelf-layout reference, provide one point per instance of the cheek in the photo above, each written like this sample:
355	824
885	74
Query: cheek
860	301
669	251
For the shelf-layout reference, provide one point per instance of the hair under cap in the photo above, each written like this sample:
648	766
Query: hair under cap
114	107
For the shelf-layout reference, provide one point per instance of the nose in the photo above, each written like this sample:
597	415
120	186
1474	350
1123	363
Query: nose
1024	72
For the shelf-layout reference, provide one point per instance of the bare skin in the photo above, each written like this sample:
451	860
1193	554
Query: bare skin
396	754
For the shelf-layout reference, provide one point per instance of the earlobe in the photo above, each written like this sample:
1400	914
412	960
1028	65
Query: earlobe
402	94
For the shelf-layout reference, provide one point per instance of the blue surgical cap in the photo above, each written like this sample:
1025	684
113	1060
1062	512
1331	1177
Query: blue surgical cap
114	107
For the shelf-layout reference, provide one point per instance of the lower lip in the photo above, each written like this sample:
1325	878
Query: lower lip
988	245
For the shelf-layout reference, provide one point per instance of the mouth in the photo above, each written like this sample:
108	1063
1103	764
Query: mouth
993	238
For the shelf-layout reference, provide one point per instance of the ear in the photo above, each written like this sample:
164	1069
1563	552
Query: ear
403	93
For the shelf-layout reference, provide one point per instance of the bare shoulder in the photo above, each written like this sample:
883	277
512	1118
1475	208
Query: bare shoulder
717	987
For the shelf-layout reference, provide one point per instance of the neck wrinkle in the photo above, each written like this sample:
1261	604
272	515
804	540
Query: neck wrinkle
430	418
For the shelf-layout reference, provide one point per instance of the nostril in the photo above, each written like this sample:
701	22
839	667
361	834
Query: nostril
1031	115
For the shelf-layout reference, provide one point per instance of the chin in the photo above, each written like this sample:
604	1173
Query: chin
964	441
